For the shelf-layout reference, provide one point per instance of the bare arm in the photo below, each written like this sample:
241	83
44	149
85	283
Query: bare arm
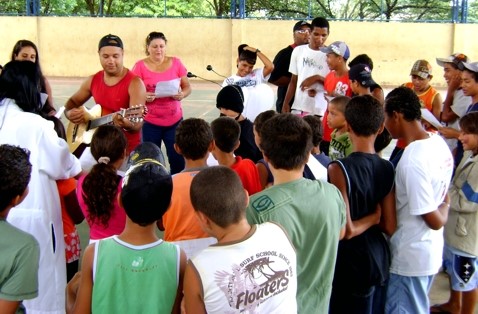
436	106
268	65
78	298
179	294
437	218
447	115
311	80
352	227
72	110
448	132
8	307
137	96
193	297
290	93
185	89
388	219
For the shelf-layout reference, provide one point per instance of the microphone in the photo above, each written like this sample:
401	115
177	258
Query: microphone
191	75
209	68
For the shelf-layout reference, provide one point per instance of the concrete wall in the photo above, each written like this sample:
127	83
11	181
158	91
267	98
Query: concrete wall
68	45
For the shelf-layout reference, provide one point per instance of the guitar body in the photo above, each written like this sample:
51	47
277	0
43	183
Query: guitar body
77	134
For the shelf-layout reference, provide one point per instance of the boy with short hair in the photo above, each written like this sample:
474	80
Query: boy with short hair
455	103
461	230
340	144
226	132
430	98
309	68
115	271
246	271
469	85
421	182
336	83
194	143
253	81
366	182
20	250
311	211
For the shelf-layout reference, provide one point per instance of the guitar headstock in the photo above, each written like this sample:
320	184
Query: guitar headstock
134	114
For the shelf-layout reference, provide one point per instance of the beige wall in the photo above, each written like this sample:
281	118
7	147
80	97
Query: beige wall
68	45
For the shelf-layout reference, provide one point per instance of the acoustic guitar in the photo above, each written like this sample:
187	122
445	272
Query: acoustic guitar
78	134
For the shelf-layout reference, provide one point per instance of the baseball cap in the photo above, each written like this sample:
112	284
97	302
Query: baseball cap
473	67
147	186
298	25
231	97
421	68
339	48
362	74
110	40
455	58
146	150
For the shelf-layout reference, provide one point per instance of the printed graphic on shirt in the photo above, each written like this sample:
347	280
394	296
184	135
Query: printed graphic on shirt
338	149
262	203
312	63
341	88
256	279
248	82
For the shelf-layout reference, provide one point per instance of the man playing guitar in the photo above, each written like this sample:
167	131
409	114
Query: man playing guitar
114	88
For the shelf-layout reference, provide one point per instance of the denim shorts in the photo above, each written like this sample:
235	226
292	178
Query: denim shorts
461	268
408	295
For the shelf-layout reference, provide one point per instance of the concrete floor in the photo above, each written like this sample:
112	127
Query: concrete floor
201	104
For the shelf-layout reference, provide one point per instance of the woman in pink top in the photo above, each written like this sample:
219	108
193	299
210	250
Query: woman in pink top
166	85
98	190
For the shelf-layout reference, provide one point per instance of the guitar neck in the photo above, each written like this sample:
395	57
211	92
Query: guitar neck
93	124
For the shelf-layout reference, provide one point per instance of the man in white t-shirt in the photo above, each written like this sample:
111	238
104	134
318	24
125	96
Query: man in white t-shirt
309	67
455	103
258	96
422	178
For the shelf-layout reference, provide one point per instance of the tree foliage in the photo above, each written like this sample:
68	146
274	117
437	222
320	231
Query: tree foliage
439	10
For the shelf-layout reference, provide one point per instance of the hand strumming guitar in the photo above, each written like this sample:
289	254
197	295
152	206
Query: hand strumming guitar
76	115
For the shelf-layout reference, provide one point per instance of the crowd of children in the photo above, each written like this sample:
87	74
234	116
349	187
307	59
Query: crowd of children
300	215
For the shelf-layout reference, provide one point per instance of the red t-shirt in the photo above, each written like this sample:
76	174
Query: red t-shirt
338	86
247	171
114	98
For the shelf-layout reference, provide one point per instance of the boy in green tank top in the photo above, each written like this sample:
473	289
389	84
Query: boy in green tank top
135	272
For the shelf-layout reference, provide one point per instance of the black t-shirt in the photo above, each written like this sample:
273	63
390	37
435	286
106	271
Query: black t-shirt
247	146
281	68
364	260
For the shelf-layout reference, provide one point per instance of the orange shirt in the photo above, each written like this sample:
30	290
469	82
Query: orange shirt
426	101
180	221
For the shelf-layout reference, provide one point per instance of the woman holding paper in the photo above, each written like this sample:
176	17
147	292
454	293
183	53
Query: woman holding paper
167	84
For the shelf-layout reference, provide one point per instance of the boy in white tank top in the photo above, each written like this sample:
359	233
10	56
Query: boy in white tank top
252	268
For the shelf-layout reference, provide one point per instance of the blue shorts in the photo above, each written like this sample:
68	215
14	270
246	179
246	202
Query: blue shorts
461	268
408	295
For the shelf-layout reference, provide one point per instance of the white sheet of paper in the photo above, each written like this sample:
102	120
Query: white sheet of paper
167	88
430	118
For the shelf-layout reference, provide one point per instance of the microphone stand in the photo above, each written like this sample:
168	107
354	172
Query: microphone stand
191	75
209	68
